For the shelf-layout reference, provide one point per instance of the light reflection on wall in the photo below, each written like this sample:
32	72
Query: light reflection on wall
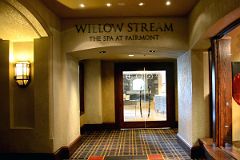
21	51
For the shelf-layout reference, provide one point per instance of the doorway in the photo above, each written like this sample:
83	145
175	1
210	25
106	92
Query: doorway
144	95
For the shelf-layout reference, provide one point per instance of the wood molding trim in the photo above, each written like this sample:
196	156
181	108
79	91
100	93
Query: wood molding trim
87	127
183	144
222	97
211	151
74	145
66	151
132	66
195	152
62	153
27	156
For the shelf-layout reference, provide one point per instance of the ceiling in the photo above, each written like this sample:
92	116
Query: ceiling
12	30
17	23
122	53
119	8
122	8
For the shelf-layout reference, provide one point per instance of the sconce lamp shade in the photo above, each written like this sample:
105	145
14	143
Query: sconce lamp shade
22	73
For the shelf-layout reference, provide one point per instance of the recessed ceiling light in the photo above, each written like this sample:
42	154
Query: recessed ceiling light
168	3
121	4
141	4
130	55
152	51
108	4
82	5
102	52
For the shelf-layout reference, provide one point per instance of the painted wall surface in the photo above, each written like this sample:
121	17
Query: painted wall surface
73	105
108	93
82	120
200	96
21	100
74	41
65	111
209	17
193	97
29	109
24	137
63	97
45	17
93	92
185	117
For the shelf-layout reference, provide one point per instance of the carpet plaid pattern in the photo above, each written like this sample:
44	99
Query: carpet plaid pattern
132	142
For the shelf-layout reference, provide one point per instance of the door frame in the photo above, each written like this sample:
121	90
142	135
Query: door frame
119	117
220	76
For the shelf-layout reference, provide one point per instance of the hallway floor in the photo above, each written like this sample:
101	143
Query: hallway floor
129	144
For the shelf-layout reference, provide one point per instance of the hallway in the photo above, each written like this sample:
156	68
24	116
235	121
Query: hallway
130	144
72	65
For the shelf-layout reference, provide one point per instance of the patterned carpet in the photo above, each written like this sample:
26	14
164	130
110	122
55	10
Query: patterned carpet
130	144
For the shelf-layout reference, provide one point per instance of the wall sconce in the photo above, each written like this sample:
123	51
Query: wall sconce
22	73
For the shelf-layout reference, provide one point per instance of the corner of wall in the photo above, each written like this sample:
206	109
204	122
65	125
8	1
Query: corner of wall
200	94
184	77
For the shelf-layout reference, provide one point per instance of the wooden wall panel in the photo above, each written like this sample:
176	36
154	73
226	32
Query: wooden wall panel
223	75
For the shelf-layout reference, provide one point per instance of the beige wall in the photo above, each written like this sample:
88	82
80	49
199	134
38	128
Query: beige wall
63	116
73	104
200	96
22	111
185	117
108	93
93	92
193	97
209	17
82	120
106	110
64	111
25	132
45	17
75	41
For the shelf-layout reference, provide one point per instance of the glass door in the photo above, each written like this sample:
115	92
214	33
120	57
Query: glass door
144	96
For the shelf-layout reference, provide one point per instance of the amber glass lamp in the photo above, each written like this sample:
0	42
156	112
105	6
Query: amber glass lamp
22	73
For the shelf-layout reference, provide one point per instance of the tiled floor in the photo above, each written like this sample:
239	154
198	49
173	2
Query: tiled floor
130	144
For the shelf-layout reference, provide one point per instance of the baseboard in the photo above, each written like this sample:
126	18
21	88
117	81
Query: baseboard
27	156
90	127
66	151
62	153
74	145
195	152
184	145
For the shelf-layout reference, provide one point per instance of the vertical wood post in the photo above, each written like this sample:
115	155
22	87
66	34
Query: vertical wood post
222	112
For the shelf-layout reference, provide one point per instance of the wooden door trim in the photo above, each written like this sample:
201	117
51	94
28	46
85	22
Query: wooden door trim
222	92
169	67
220	137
